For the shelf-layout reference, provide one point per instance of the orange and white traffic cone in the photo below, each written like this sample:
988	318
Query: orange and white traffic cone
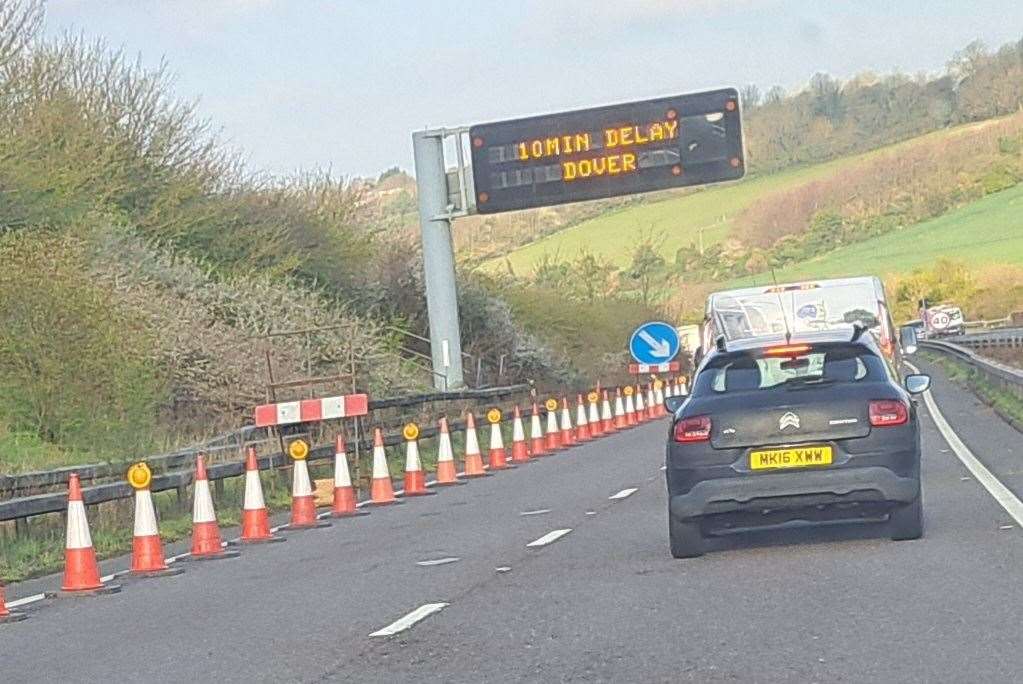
497	458
640	407
659	401
582	425
206	542
593	420
381	490
415	478
619	416
552	440
630	409
81	572
345	505
6	615
668	385
567	433
255	518
473	457
682	390
537	446
147	559
520	453
303	500
607	424
651	403
446	470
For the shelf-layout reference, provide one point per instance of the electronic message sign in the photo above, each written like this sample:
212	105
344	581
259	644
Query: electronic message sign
587	154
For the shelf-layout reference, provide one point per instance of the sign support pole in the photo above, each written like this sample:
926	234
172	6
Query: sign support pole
438	260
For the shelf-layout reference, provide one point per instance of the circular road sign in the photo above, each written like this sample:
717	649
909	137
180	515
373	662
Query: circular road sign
654	342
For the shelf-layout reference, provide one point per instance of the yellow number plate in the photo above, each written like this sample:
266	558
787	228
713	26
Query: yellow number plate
795	457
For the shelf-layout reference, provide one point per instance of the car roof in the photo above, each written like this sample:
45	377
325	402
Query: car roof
832	335
807	284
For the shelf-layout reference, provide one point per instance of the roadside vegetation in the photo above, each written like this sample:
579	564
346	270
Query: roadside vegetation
1005	404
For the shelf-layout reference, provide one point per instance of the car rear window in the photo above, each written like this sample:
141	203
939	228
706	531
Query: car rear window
757	370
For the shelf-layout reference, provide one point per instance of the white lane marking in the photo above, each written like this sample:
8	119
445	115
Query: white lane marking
548	538
995	488
401	624
1006	527
539	511
663	468
591	512
624	493
25	601
438	561
503	568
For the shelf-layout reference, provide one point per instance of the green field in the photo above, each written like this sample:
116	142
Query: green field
680	219
987	231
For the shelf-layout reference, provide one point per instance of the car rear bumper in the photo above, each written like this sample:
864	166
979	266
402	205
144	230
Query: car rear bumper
794	490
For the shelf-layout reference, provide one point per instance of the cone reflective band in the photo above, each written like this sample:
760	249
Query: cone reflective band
415	478
520	451
206	542
582	425
606	417
81	572
255	519
344	505
537	446
146	548
567	434
552	440
446	471
381	491
593	420
497	458
473	458
311	410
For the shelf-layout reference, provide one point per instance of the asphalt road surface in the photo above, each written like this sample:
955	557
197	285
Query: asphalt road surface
602	602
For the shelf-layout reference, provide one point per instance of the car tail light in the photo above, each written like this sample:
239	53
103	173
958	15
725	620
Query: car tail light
695	429
887	413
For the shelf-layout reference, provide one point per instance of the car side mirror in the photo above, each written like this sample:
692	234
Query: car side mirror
907	338
916	384
673	404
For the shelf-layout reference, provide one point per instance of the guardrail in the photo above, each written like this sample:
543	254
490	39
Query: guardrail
999	374
24	507
1003	337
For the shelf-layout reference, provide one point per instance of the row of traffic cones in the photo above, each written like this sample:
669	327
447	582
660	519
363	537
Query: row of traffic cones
592	420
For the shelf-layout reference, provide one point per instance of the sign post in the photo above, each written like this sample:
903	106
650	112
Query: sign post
438	260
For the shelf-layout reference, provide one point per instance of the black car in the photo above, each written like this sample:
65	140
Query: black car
779	431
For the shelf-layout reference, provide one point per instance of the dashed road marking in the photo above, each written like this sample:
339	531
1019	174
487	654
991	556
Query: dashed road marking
24	601
548	538
502	569
404	623
624	493
438	561
539	511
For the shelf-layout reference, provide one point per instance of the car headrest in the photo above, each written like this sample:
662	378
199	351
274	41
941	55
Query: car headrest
843	369
742	375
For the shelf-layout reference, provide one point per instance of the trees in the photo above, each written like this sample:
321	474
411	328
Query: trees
647	262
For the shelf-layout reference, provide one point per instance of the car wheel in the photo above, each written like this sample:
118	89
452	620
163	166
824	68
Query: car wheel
906	522
686	538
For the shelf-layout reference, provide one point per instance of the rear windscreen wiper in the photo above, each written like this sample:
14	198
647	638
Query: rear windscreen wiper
802	383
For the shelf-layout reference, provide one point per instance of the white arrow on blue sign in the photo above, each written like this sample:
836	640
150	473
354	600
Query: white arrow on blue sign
654	342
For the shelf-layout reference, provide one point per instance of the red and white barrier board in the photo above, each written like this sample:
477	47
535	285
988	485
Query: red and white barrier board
311	410
670	367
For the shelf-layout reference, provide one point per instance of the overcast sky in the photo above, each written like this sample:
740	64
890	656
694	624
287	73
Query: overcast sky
301	84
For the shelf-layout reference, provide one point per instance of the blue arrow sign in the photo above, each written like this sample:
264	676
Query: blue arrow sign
654	342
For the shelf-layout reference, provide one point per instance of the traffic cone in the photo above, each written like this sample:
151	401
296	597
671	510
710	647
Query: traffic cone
446	474
640	408
651	403
630	409
537	446
619	415
81	572
659	401
473	458
667	387
303	500
607	424
582	426
682	389
255	518
206	542
498	457
415	478
567	433
552	441
593	420
520	453
7	615
147	559
381	490
344	493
